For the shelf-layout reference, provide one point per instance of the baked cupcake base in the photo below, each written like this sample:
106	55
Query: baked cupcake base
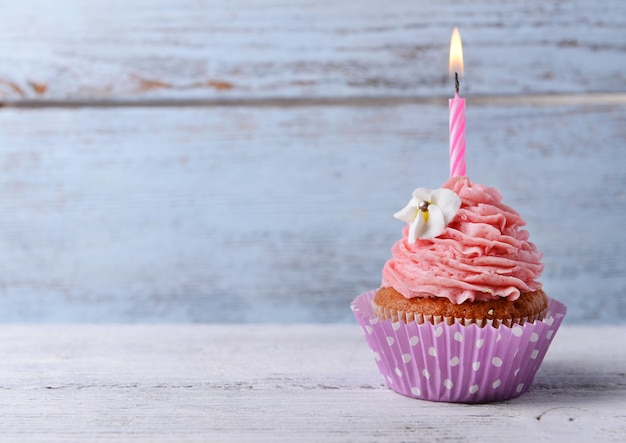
530	306
456	362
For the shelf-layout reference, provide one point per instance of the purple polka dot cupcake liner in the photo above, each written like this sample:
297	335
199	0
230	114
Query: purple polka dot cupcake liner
457	363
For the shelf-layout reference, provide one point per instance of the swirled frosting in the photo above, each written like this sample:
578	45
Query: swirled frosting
481	255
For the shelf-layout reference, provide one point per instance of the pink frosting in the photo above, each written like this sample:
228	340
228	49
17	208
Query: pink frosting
482	254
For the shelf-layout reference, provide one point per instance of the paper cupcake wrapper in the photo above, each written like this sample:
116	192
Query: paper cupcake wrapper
456	362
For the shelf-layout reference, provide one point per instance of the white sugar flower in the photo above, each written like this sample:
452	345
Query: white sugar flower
429	212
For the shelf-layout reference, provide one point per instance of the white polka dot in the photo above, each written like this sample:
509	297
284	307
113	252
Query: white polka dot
373	321
406	357
416	391
476	365
534	337
398	372
438	332
425	373
549	334
499	337
369	329
496	384
458	336
534	354
516	351
395	326
516	372
389	380
414	340
497	362
549	321
454	361
448	383
432	352
376	356
519	387
517	331
391	340
473	389
480	343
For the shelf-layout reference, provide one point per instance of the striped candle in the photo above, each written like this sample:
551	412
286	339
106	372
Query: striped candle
457	108
457	135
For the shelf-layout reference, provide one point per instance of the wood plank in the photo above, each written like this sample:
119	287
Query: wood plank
140	49
228	383
283	215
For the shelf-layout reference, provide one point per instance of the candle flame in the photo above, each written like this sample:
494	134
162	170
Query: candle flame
456	53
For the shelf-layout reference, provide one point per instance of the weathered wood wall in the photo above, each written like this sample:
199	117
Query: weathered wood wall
187	161
89	49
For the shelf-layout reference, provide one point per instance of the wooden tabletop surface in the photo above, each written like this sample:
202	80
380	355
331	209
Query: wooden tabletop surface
191	383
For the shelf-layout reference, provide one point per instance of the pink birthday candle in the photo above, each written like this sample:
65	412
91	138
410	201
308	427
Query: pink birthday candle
457	109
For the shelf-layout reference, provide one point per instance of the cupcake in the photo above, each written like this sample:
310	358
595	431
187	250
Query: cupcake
460	315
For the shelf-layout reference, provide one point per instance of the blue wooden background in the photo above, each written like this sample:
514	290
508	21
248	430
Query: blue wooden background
184	161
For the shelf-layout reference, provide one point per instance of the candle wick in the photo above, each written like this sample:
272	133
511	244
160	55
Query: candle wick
456	82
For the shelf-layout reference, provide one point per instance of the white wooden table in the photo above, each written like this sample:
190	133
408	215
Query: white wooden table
183	383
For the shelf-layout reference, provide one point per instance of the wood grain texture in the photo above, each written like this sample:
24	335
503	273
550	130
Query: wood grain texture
232	383
247	214
139	49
